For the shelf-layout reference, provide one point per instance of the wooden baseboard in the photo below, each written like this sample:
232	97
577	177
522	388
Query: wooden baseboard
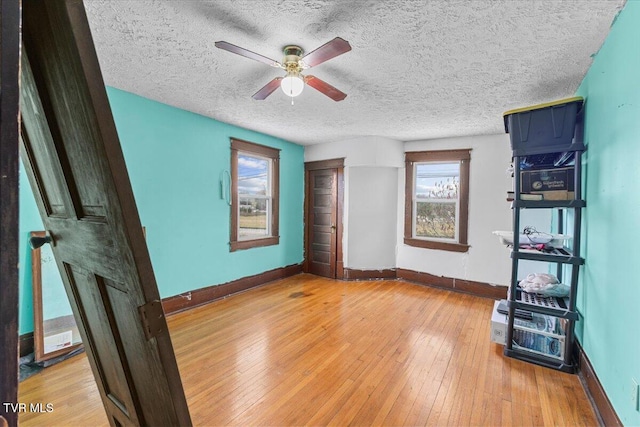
202	296
339	270
26	344
601	404
480	289
352	274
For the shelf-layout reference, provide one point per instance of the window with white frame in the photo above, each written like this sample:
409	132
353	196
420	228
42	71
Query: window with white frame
254	198
436	206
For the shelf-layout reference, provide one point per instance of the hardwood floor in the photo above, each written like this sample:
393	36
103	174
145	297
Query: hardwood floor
312	351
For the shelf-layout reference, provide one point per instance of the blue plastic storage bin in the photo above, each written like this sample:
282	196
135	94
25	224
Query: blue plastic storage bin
546	128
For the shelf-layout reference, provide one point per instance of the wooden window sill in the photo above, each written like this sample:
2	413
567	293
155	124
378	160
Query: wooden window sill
254	243
443	246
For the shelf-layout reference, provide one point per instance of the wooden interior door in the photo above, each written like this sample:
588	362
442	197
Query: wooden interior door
75	165
322	222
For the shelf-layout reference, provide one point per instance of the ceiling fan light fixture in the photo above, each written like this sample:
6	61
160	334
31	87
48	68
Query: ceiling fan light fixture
295	62
292	84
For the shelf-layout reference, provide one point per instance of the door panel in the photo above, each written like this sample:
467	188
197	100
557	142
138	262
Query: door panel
323	238
76	169
321	255
322	222
103	336
322	219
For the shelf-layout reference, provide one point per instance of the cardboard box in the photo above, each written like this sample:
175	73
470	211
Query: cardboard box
553	184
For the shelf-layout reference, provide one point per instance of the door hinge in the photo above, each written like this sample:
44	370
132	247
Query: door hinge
152	317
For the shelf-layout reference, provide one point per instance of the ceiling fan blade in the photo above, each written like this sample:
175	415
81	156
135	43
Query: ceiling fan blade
329	50
247	53
268	89
325	88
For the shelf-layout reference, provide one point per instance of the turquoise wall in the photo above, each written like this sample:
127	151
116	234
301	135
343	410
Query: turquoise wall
609	293
29	221
175	159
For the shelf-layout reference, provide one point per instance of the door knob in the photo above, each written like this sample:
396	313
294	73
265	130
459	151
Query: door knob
333	228
37	241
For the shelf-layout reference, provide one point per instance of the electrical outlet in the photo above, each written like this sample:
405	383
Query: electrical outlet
635	394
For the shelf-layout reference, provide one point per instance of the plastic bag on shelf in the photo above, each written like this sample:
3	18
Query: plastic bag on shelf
544	284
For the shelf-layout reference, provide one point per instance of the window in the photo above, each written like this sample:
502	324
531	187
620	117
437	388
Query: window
255	171
437	199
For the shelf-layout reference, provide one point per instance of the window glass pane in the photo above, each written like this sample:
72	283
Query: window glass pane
436	196
436	220
253	175
437	180
253	218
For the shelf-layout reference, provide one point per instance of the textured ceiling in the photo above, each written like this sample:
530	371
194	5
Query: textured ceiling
417	70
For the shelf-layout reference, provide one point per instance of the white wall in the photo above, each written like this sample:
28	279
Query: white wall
487	260
372	210
365	151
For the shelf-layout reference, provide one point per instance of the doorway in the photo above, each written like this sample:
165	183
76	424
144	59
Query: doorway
324	207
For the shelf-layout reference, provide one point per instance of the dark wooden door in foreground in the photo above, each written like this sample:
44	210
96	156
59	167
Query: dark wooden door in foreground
76	168
322	222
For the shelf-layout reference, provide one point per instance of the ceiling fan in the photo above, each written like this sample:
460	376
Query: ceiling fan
294	63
